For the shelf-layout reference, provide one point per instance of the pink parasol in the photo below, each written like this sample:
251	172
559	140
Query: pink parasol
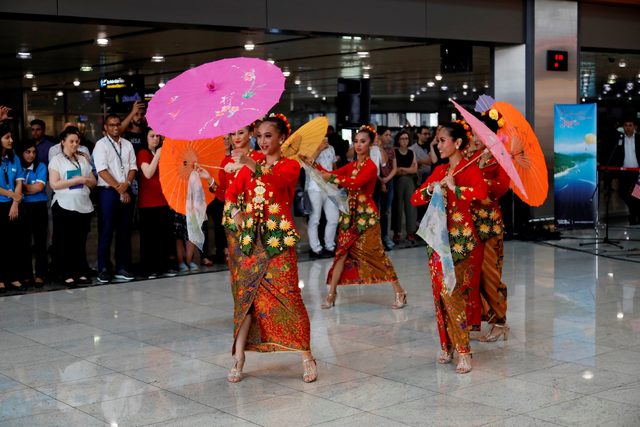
215	98
493	143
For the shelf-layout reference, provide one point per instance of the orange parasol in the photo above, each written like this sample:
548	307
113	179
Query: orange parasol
178	160
528	158
306	139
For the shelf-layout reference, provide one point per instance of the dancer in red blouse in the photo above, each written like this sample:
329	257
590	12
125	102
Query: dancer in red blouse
360	258
487	217
463	183
269	314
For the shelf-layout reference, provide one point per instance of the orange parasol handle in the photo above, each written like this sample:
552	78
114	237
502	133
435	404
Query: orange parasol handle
200	164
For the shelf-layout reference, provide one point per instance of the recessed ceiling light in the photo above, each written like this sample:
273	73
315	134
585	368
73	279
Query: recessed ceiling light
438	77
271	61
412	96
455	97
622	63
157	58
417	92
286	72
444	87
76	82
365	75
161	84
249	45
324	98
357	38
363	54
314	92
599	98
346	37
103	41
34	88
474	90
465	86
59	93
464	93
28	75
430	83
309	88
297	80
23	55
315	95
423	88
366	67
86	91
486	85
86	68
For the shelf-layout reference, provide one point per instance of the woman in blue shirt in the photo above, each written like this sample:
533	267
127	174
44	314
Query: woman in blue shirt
10	197
36	216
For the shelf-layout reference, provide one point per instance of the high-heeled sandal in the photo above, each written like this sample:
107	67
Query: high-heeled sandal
445	357
330	302
496	332
464	363
401	300
235	374
310	373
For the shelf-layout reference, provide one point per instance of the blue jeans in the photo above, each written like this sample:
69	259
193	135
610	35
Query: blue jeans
113	215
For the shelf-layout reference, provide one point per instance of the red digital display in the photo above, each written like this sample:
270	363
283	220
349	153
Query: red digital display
557	60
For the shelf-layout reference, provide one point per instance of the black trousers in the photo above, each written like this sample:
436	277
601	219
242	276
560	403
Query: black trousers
13	236
155	239
36	221
71	229
215	209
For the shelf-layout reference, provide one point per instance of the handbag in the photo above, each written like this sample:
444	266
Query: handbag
301	203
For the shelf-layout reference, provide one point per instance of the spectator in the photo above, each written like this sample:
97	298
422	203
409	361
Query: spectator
404	185
626	153
82	148
43	142
115	162
11	180
71	178
325	157
134	127
185	249
387	172
155	215
35	212
434	154
421	150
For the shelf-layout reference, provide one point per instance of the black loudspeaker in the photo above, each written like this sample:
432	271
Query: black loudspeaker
354	102
456	58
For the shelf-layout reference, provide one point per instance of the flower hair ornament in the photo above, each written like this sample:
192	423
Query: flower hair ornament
495	115
467	129
285	120
368	128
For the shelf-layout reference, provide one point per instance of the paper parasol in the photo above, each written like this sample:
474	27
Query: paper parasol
306	139
215	98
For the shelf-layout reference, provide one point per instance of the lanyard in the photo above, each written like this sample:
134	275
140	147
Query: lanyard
118	153
75	162
5	170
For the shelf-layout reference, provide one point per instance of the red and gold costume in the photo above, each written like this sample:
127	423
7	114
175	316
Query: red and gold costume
466	250
265	282
487	217
359	231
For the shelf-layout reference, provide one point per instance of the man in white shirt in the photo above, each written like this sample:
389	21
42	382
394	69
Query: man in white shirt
627	155
320	202
115	163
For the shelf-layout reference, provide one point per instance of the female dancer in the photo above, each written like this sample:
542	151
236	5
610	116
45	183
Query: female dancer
487	218
269	314
360	257
463	183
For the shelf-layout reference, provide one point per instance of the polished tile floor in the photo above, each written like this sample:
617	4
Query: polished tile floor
157	353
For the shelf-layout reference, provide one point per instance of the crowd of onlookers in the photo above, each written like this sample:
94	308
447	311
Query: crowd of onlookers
51	187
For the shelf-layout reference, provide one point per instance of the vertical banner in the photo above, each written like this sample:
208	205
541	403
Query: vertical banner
575	166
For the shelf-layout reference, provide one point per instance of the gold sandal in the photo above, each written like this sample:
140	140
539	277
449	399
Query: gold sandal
496	332
331	301
401	300
464	363
445	357
310	373
235	374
